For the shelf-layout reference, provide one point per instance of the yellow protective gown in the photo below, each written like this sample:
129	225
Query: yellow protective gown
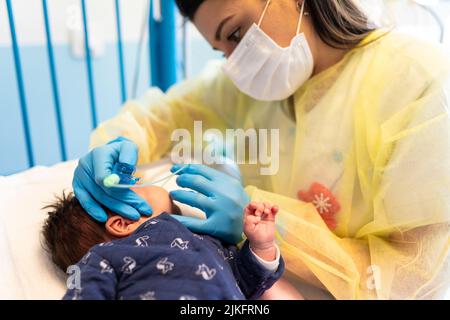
374	130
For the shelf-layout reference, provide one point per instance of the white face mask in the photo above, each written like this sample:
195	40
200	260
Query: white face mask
262	69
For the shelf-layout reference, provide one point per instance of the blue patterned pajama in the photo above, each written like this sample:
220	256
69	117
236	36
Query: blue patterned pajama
163	260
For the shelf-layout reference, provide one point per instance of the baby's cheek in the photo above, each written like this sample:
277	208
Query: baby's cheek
157	197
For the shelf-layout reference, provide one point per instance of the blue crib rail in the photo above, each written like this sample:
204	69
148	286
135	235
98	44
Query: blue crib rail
20	84
89	65
55	89
163	66
162	58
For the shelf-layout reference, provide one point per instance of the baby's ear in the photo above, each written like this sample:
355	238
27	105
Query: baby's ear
120	227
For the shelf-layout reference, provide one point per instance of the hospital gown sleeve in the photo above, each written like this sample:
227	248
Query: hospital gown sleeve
150	121
403	252
93	278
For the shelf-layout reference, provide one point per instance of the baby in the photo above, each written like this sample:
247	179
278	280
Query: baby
157	257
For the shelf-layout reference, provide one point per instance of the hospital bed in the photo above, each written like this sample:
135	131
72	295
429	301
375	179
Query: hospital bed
26	269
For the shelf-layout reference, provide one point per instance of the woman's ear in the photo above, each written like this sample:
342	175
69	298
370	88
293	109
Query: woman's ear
120	227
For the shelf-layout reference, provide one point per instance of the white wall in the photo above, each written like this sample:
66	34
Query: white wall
65	14
409	17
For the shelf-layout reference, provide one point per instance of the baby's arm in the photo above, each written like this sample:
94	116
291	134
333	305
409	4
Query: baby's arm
259	227
92	278
258	265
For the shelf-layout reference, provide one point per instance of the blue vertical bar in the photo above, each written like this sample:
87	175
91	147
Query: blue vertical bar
152	45
20	84
89	65
56	99
123	86
163	54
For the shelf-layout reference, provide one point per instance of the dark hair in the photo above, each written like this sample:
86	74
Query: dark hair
69	232
188	8
339	23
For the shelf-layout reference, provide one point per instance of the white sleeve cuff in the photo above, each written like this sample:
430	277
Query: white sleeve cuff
269	265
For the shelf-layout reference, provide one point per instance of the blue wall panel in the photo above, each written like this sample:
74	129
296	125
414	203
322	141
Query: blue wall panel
13	156
74	101
107	84
130	64
44	135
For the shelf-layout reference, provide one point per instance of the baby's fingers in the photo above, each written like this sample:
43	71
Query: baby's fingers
251	221
254	208
253	205
259	209
247	211
270	213
269	209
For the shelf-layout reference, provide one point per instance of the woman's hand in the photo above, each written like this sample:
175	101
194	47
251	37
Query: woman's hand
89	188
219	195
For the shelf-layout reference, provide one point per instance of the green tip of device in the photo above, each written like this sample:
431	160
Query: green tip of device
111	181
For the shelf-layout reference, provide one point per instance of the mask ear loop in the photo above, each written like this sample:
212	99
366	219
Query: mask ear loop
300	19
264	13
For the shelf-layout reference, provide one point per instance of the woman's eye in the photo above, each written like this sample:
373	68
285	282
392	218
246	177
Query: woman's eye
235	36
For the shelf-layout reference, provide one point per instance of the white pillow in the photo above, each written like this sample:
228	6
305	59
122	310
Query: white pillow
27	272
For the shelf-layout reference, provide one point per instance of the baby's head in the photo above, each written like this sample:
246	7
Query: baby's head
69	232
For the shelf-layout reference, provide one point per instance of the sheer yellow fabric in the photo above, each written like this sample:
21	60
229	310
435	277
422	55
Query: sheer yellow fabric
374	130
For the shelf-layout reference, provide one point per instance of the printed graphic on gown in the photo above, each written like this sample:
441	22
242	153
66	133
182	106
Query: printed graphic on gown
142	241
105	267
150	295
325	202
164	265
86	257
206	272
129	266
179	243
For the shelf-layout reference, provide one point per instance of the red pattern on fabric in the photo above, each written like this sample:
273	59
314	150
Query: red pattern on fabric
325	202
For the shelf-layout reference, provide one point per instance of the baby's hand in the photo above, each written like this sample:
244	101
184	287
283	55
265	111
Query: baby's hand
259	225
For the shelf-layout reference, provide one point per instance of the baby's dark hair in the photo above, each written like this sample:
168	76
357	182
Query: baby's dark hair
69	232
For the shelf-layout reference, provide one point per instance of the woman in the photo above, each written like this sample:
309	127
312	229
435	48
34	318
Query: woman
364	127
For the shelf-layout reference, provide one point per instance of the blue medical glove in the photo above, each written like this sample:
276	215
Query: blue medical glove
89	188
220	196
